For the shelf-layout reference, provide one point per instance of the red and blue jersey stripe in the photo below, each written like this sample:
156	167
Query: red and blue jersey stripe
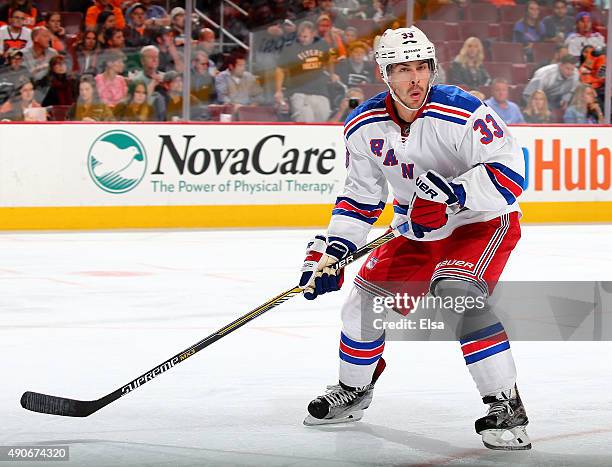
509	183
361	352
371	111
368	213
484	343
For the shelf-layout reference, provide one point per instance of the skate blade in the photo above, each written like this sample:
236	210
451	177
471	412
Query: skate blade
352	417
513	439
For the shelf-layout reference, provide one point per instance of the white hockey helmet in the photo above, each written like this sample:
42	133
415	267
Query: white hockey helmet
404	45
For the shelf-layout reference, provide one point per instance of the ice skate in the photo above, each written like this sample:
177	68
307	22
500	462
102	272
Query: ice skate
341	403
504	425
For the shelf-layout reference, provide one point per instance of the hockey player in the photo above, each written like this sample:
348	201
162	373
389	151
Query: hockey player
455	173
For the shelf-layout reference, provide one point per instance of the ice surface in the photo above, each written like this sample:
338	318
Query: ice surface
83	313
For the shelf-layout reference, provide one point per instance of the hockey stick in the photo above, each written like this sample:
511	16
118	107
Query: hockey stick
54	405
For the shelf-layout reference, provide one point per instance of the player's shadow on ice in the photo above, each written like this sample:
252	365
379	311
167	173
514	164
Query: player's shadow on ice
423	450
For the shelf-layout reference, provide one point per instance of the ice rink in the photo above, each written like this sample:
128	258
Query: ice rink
84	313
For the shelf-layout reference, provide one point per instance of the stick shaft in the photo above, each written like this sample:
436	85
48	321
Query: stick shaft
70	407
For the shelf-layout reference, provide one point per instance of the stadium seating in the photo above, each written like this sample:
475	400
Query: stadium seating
543	51
58	113
507	52
447	13
257	113
511	14
71	20
481	12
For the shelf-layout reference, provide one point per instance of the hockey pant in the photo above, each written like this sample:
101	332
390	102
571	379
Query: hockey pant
474	255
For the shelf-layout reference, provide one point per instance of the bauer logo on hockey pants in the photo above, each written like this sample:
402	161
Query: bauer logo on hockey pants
117	161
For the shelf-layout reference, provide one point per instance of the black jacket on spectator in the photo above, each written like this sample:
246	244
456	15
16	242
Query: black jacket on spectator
352	77
471	78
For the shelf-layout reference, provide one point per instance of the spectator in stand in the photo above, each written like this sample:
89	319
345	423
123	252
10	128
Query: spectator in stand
305	10
53	22
136	108
356	70
202	82
267	45
207	43
467	69
36	58
558	25
327	32
234	22
114	39
106	21
99	7
305	63
237	86
506	109
86	54
155	15
557	80
584	108
169	57
32	15
529	29
177	24
135	31
150	74
168	102
584	35
592	70
351	35
381	14
327	7
14	71
79	6
15	35
353	97
536	110
58	87
111	86
17	108
88	107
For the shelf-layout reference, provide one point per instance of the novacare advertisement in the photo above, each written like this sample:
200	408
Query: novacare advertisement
144	165
252	168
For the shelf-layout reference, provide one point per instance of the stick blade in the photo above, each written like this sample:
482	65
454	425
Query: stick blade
53	405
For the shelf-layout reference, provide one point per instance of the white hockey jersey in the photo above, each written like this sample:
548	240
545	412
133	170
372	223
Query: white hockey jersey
455	134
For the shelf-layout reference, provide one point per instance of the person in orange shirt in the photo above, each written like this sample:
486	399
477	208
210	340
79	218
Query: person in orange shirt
103	5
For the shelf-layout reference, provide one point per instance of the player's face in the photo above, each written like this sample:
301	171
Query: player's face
410	81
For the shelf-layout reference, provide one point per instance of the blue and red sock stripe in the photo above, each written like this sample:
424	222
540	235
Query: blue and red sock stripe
361	352
364	212
484	343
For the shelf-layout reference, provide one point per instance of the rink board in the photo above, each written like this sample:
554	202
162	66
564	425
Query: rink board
173	175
